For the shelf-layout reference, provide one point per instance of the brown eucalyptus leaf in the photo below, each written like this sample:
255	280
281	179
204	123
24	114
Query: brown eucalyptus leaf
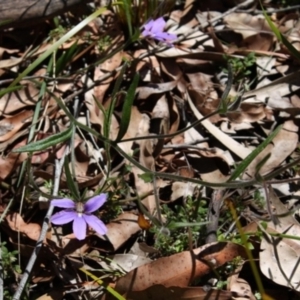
273	92
246	24
280	256
225	139
239	287
160	292
17	100
122	228
179	269
155	88
109	65
284	143
52	295
125	262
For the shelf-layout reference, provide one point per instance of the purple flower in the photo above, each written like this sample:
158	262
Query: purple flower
154	29
80	214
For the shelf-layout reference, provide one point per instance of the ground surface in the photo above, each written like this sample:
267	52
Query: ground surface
179	122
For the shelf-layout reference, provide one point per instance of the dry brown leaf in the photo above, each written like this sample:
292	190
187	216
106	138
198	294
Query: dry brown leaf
279	258
249	112
109	65
246	24
148	66
284	143
16	223
125	262
273	93
121	229
226	140
239	287
10	126
179	269
53	295
160	292
17	100
154	88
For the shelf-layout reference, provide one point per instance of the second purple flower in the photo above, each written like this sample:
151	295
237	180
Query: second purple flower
155	28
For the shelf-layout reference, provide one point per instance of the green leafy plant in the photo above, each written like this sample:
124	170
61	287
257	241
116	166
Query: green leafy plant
240	66
10	267
9	261
174	237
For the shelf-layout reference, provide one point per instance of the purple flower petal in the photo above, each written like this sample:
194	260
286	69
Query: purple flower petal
146	33
166	37
63	203
63	217
79	227
148	25
154	29
96	224
158	25
94	203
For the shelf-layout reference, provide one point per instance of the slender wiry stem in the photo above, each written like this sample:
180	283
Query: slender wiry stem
58	169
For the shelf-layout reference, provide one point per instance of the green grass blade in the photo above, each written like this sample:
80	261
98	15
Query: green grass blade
174	225
57	44
10	90
47	142
127	106
72	185
281	37
128	13
66	58
101	283
246	162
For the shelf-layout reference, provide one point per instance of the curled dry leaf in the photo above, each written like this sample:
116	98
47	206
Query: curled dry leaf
16	223
179	269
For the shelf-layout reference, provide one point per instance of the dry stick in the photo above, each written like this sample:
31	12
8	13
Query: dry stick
58	169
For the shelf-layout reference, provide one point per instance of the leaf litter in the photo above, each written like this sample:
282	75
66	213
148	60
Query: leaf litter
158	109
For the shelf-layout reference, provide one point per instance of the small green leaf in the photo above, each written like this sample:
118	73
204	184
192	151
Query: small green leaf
47	142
